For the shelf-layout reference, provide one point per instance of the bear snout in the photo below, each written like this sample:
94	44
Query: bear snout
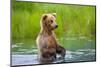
56	26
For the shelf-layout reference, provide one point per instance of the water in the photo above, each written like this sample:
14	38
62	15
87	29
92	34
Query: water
79	55
25	53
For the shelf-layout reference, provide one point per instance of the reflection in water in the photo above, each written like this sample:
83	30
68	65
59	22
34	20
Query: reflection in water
76	56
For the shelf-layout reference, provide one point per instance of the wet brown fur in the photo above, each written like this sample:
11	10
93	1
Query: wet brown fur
46	41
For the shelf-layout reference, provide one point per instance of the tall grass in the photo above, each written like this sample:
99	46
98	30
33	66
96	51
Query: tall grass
73	20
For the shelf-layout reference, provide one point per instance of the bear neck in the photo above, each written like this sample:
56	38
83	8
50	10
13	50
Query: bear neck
45	31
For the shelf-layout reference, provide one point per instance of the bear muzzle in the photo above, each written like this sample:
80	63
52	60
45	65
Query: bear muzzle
56	26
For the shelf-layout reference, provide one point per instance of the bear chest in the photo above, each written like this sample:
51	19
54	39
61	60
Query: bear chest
48	41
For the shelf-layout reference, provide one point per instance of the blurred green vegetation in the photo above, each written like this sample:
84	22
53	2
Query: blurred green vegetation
73	20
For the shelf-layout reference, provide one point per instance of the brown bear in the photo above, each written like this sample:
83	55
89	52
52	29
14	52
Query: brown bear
48	46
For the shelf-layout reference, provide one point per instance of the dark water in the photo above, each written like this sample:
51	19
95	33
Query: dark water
25	53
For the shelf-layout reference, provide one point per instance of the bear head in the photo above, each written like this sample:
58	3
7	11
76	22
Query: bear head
48	21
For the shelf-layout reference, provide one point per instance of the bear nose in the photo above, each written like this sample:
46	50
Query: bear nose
56	26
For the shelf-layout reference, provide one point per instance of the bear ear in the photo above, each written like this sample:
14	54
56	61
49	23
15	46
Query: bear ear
54	14
44	16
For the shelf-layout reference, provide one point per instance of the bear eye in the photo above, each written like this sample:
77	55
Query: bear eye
51	21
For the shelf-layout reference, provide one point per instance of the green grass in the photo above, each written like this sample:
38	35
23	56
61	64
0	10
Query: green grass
73	20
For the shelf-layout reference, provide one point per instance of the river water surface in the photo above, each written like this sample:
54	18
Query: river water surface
25	53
